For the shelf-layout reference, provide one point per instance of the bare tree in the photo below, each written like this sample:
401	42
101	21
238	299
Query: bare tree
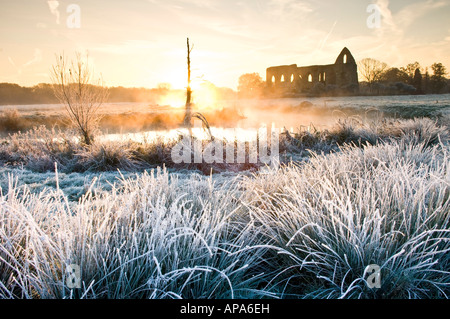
188	111
188	115
75	87
371	70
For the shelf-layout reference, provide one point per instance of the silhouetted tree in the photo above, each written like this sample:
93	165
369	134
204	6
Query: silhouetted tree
250	85
410	70
417	81
164	87
426	82
438	80
394	75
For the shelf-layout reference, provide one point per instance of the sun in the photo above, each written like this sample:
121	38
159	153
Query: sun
203	92
176	78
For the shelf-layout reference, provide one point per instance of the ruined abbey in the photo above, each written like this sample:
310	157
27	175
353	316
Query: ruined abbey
293	79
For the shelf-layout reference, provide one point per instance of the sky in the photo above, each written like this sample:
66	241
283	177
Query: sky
141	43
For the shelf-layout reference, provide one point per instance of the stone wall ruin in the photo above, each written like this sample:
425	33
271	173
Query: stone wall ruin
292	79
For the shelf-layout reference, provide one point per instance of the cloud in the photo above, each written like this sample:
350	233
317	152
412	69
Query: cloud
328	35
37	57
411	12
11	61
280	10
397	23
53	6
388	25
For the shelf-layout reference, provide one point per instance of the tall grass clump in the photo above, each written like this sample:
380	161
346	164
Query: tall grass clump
330	218
39	148
152	237
10	120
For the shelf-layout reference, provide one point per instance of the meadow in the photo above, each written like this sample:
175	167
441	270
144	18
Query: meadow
361	191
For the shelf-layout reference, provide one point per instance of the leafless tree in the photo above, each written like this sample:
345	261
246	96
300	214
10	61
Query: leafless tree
188	115
371	70
188	111
82	95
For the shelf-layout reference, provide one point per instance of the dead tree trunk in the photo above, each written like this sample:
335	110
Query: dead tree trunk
188	115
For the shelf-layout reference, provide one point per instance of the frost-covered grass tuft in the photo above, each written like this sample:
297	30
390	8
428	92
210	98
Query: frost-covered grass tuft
335	215
152	237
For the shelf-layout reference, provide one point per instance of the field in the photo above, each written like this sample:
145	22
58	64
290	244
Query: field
358	191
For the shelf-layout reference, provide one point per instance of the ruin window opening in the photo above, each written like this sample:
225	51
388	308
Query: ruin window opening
310	78
344	59
320	77
324	76
273	78
292	78
282	78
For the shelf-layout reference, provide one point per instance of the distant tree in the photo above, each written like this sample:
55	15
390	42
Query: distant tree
250	85
426	82
164	87
75	87
439	70
417	81
371	70
394	75
438	80
410	70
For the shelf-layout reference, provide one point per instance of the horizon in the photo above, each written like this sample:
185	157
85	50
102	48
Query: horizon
140	44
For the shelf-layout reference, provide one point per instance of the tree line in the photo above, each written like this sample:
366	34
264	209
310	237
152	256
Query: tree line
42	93
14	94
378	78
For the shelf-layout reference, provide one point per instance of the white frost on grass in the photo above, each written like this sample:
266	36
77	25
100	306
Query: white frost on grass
301	231
304	230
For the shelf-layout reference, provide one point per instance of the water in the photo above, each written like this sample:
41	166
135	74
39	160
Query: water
290	113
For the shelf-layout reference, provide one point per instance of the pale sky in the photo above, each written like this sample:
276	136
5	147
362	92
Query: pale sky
143	42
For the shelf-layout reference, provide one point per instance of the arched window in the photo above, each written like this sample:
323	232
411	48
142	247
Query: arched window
344	59
282	78
292	78
310	78
273	78
320	77
324	76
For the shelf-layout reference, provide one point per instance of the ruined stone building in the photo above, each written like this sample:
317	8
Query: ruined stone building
294	79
